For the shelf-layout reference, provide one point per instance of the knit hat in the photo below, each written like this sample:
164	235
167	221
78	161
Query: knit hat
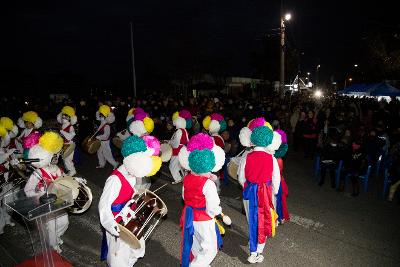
141	155
283	148
141	124
50	143
30	116
105	111
69	112
257	133
182	119
131	114
201	155
214	123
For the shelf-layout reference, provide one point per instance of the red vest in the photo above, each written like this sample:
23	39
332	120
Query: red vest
259	167
194	197
182	142
219	141
66	129
125	193
101	132
48	177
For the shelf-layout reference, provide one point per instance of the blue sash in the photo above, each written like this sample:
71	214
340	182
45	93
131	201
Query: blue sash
188	232
251	194
279	209
104	245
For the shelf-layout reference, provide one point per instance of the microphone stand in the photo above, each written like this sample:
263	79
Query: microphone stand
46	198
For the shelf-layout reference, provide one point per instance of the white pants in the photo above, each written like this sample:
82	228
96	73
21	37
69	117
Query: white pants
143	183
5	218
175	169
104	154
121	254
204	247
69	164
260	247
56	226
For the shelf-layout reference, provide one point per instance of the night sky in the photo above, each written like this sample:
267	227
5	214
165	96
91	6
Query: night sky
90	39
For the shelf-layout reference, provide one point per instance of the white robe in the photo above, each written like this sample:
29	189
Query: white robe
56	223
104	153
204	248
276	180
175	167
68	161
119	253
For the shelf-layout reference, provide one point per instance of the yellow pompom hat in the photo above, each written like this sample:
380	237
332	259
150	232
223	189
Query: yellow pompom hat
104	110
7	123
51	142
68	110
3	131
30	116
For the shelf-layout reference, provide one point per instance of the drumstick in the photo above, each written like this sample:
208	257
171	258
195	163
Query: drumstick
160	187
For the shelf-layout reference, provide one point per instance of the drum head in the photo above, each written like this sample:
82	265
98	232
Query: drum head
68	150
165	152
83	201
70	183
128	237
117	142
232	170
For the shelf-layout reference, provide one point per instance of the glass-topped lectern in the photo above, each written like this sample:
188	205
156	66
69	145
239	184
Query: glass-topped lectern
44	214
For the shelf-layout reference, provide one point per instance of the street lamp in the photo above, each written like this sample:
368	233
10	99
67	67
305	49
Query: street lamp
345	81
355	65
284	18
317	76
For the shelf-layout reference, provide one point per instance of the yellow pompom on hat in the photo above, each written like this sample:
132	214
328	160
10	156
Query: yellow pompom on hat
104	110
68	110
148	124
3	131
206	122
51	142
175	115
156	162
30	116
7	123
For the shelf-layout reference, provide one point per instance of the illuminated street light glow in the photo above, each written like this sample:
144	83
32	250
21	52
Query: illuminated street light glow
318	94
355	65
288	17
308	73
350	79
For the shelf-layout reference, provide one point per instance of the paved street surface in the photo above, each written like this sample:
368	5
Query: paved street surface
327	228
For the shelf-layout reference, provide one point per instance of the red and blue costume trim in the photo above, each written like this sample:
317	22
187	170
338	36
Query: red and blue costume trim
260	219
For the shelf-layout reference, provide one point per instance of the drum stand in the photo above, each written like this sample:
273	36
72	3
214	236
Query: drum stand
43	214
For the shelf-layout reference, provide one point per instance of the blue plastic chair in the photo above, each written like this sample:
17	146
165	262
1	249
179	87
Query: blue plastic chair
363	178
337	173
386	183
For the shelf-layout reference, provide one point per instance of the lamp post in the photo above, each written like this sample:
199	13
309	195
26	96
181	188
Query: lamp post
345	80
284	18
317	76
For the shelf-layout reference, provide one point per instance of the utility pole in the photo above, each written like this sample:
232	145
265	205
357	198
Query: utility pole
282	69
133	63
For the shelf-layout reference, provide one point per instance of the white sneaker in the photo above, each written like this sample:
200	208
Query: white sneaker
255	258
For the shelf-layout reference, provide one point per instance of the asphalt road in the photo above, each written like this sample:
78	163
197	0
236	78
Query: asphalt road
327	228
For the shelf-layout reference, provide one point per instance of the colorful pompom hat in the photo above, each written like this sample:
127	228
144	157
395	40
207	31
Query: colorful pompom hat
131	115
50	143
283	148
8	124
214	123
106	112
69	112
258	132
142	124
141	155
30	116
182	119
201	155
